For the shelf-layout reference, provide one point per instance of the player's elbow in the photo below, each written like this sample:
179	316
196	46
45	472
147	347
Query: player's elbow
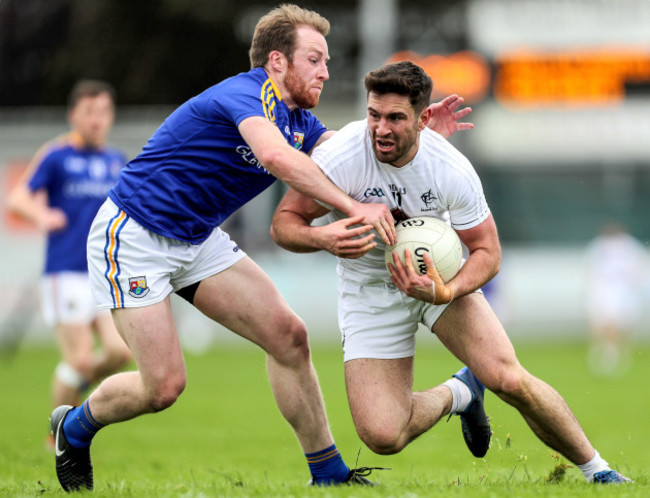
274	159
278	235
11	203
496	261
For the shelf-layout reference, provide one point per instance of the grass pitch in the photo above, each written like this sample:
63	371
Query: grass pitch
225	437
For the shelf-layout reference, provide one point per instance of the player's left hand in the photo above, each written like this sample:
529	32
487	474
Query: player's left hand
445	117
346	238
428	287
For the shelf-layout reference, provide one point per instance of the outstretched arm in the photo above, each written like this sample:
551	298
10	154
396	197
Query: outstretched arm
301	173
445	118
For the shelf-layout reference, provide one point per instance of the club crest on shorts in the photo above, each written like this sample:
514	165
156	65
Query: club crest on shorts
138	287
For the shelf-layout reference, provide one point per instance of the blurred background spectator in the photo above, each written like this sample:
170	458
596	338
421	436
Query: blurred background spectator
616	278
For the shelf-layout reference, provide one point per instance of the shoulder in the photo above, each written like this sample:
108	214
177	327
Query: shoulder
254	80
437	148
351	135
57	147
346	142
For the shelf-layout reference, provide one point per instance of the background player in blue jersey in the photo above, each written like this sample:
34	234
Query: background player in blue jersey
64	186
159	233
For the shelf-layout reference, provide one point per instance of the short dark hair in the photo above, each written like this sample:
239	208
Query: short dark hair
277	31
402	78
89	88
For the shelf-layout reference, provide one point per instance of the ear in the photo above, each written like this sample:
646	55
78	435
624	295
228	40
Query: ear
424	118
277	61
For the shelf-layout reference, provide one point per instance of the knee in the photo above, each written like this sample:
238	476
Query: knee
511	384
383	441
164	392
81	363
288	342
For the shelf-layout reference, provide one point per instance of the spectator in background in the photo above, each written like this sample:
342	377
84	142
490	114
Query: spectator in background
60	193
617	267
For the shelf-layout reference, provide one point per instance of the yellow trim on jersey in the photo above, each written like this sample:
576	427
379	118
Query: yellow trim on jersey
268	95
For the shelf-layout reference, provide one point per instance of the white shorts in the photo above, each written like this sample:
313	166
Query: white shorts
379	321
66	299
131	266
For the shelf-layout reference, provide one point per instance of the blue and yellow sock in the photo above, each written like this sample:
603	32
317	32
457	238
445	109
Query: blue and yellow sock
327	466
80	427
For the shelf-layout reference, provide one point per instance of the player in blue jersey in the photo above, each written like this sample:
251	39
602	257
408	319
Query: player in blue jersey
159	233
65	184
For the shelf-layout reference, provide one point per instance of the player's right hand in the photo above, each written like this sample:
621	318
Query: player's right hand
343	241
379	216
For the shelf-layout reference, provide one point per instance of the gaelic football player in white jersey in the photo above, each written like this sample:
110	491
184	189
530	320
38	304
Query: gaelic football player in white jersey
393	158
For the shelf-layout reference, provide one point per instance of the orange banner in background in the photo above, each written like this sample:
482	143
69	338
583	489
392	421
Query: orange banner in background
465	73
569	77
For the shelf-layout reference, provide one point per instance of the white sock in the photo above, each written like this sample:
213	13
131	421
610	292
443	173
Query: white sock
461	396
70	377
596	464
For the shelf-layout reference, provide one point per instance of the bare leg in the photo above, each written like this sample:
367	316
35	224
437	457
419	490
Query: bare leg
386	413
471	331
76	345
244	299
114	352
151	335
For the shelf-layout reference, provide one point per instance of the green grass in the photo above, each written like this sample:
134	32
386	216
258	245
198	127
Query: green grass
225	437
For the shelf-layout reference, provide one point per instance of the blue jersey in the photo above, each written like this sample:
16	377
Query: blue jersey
77	181
196	169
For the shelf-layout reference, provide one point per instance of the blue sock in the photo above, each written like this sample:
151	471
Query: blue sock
327	466
80	427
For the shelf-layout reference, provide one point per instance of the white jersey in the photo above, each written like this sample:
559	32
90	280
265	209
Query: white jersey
438	182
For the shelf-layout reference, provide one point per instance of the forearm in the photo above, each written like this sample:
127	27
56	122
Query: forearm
479	269
303	175
22	203
293	233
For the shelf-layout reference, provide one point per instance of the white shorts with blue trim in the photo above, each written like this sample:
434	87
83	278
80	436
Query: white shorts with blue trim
66	299
130	266
379	321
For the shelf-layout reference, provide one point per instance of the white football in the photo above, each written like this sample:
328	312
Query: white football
432	235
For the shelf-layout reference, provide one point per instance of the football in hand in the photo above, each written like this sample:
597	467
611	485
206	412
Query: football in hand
432	235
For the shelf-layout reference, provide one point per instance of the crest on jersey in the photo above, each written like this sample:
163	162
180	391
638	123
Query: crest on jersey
298	139
138	287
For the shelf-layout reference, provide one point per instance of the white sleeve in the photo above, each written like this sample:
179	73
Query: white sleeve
465	200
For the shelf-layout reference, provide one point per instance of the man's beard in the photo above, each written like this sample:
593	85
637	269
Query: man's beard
298	90
402	147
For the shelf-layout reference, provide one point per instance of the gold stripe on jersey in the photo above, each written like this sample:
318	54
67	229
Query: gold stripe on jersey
268	95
